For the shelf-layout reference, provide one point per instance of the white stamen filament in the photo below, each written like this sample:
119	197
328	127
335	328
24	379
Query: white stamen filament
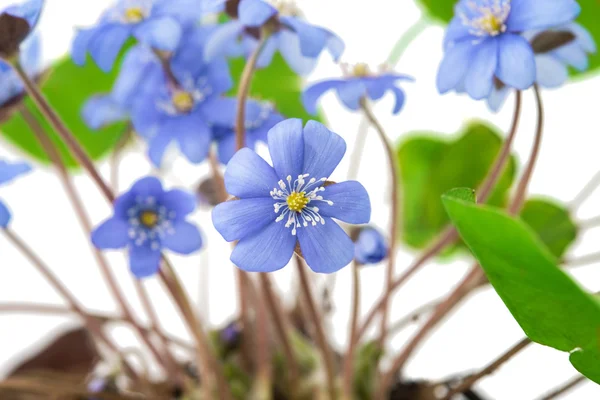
486	17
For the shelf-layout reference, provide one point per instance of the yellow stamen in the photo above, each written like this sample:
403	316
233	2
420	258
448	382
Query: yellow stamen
361	69
149	218
183	101
296	201
134	15
492	24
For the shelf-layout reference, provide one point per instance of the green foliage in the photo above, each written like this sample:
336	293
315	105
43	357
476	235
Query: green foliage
430	166
67	88
365	370
552	308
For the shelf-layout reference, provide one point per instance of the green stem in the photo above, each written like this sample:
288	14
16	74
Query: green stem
405	40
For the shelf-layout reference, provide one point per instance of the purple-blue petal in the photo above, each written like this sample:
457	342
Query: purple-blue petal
325	247
539	14
400	99
323	150
255	13
238	219
550	72
289	47
185	11
10	171
454	66
144	261
140	74
29	10
193	136
100	111
351	202
81	43
147	186
159	33
286	146
184	238
479	79
266	55
370	247
248	175
5	215
313	93
111	234
224	41
351	92
107	42
157	146
516	62
497	98
181	202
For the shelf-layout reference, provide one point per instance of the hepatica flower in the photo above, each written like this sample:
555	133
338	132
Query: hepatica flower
156	23
8	172
260	118
299	42
359	84
16	30
146	220
483	42
29	57
291	203
370	247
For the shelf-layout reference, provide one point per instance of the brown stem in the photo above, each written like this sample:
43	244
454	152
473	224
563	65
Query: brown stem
578	380
413	316
28	385
326	351
264	371
349	359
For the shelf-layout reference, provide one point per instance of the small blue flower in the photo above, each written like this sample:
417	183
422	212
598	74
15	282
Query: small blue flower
146	220
30	58
483	42
29	10
371	246
299	43
260	118
8	172
358	85
552	68
291	202
157	23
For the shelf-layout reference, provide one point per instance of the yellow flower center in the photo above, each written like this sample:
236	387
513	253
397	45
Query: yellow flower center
149	218
183	101
296	201
492	24
134	15
361	69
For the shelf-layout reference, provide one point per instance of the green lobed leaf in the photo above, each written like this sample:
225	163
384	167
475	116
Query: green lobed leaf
67	88
430	166
548	304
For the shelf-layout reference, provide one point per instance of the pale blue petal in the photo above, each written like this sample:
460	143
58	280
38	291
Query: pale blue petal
185	238
351	92
551	73
148	186
326	248
266	251
255	13
266	55
143	260
400	98
29	10
181	202
219	76
157	146
497	98
336	46
584	37
224	41
10	171
238	219
456	32
186	11
454	66
312	39
100	111
192	134
538	14
323	150
311	95
145	117
159	33
351	202
5	215
479	79
106	44
286	146
140	73
248	175
226	147
516	63
111	234
574	55
289	47
31	55
81	43
123	203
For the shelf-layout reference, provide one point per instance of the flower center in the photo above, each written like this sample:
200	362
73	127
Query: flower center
133	15
295	200
183	101
361	70
286	8
149	218
485	17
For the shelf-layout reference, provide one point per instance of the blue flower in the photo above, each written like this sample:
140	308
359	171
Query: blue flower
30	58
291	202
260	118
28	10
8	172
370	247
552	67
146	220
483	42
299	43
156	23
360	84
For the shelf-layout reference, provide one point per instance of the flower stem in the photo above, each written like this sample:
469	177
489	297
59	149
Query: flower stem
578	380
586	192
406	39
349	359
359	147
264	371
244	90
326	351
61	129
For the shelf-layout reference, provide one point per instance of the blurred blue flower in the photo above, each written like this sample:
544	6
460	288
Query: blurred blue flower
158	24
30	58
260	118
291	202
483	42
552	67
146	220
299	43
371	246
29	10
8	172
359	84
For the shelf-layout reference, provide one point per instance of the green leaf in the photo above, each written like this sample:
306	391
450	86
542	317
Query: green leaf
430	166
67	88
552	308
551	222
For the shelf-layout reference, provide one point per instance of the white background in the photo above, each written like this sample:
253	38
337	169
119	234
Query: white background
479	330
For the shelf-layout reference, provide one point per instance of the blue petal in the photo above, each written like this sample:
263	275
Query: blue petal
123	203
186	11
226	147
181	202
266	55
573	55
454	66
184	239
286	146
351	203
144	261
400	98
538	14
140	73
194	137
323	150
480	76
455	32
312	39
147	186
370	247
516	63
31	55
5	216
326	247
551	73
157	146
219	77
159	33
376	87
311	96
583	37
255	13
100	111
81	43
106	44
267	251
497	98
224	41
351	92
238	219
289	47
9	171
248	175
111	234
145	117
29	10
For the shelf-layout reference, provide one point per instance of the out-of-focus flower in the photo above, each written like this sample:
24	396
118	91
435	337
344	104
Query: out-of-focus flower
8	172
358	84
30	59
483	43
552	65
299	42
370	247
291	202
158	24
16	30
146	220
260	118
